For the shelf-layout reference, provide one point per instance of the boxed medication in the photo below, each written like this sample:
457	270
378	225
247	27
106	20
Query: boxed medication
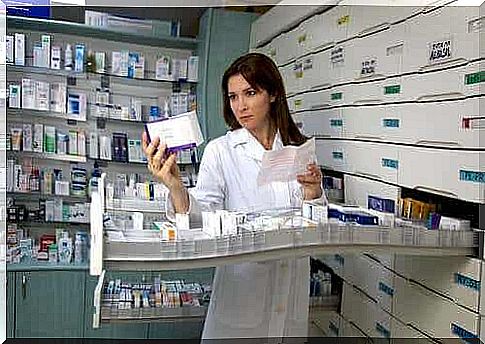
28	94
42	95
178	132
14	96
10	44
20	49
38	138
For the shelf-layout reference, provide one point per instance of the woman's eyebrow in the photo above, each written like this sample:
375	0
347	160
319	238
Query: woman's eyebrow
245	90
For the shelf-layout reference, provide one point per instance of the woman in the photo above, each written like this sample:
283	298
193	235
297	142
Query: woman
250	300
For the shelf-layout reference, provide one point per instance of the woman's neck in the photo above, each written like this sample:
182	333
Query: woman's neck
265	136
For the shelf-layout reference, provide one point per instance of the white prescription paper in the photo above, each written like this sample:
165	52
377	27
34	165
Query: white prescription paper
285	164
179	131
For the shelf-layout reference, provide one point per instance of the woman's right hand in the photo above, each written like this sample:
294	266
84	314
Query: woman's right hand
164	169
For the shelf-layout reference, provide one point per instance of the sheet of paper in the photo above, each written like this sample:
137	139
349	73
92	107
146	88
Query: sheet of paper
285	164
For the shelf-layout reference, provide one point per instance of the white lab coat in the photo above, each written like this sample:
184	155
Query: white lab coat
250	300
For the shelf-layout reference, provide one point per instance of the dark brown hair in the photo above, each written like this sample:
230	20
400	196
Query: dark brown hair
262	73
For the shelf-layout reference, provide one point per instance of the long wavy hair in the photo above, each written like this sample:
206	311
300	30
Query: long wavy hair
262	74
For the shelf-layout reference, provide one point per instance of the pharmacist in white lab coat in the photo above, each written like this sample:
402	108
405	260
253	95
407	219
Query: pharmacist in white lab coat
249	300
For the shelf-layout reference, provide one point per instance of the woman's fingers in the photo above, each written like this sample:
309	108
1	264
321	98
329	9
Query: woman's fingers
150	149
158	159
169	164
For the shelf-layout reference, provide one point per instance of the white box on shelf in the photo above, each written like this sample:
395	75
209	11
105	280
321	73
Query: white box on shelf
365	313
321	69
38	138
333	154
445	84
326	123
456	277
46	50
93	145
389	90
162	70
431	313
42	95
340	63
20	49
28	93
358	190
443	36
287	48
58	97
376	160
9	49
461	174
56	57
27	137
378	55
73	142
366	19
373	278
14	96
193	68
76	105
440	124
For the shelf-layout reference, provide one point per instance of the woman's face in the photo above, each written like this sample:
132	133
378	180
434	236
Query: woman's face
250	106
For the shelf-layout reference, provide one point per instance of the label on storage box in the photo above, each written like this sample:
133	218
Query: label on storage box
390	163
439	50
467	281
472	176
390	123
463	333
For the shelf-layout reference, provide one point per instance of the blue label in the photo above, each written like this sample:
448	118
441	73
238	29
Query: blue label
336	123
333	328
381	204
390	123
463	334
390	163
386	289
339	259
338	155
28	8
467	281
472	176
382	330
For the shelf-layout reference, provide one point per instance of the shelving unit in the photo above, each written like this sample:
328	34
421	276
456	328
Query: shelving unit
77	29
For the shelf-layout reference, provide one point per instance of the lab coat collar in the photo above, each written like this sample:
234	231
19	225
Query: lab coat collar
251	146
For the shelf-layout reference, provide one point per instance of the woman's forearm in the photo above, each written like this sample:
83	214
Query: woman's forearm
180	199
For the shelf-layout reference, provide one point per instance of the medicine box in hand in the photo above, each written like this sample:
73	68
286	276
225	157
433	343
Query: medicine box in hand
177	132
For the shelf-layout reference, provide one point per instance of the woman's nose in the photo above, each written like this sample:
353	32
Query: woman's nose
242	105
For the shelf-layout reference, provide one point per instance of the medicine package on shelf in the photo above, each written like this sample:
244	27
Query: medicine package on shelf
177	132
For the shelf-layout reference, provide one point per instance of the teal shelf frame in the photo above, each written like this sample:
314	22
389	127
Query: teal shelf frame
82	30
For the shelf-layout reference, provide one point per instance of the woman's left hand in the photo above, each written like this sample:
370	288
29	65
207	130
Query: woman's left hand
311	182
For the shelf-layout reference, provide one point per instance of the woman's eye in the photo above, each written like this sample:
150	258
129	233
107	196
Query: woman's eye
232	97
251	93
